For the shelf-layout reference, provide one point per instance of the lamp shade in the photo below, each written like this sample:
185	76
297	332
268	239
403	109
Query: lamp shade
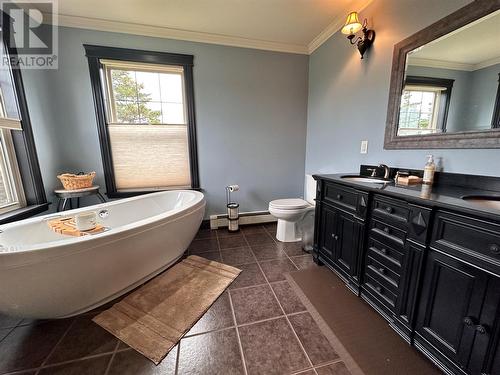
352	24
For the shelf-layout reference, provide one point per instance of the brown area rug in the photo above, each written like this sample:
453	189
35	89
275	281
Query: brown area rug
349	322
156	316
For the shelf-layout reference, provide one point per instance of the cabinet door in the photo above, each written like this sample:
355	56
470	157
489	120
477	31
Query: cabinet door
450	307
410	271
327	231
349	238
485	358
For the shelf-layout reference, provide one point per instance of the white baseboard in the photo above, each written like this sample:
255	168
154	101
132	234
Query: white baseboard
255	217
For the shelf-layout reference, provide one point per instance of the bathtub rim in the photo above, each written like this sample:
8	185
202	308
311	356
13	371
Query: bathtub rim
173	214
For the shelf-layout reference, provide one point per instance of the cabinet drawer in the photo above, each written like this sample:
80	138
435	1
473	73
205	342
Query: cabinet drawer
387	255
383	271
382	293
388	234
393	211
348	199
468	238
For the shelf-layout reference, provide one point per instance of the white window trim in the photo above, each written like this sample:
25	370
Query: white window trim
10	174
435	110
110	65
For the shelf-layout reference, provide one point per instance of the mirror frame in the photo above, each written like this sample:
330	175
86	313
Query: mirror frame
473	139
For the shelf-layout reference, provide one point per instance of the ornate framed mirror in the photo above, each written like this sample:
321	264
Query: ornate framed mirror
445	83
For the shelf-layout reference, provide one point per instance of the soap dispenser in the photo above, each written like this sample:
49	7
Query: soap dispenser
429	170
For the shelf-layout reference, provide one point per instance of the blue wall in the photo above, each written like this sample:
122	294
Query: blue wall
472	97
251	109
348	97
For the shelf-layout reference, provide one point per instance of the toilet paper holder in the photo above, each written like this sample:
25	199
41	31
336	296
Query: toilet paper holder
233	215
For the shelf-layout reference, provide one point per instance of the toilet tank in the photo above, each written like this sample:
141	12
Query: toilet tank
310	189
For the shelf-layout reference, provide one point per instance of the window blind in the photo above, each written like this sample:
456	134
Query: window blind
150	156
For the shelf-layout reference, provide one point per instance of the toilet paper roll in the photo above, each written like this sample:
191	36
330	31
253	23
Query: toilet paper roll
233	188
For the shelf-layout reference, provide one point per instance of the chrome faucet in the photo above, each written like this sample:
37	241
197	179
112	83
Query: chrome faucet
387	170
373	170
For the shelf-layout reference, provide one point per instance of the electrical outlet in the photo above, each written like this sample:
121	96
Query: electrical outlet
364	147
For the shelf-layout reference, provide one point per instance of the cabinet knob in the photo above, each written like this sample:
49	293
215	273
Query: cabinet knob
339	196
335	237
481	329
379	289
468	321
387	230
389	210
495	249
381	270
383	251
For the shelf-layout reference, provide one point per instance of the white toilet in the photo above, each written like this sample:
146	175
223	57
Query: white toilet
289	213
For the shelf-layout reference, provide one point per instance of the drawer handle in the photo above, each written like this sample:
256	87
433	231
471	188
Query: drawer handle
389	210
339	196
379	289
381	270
383	251
387	230
481	329
468	321
495	249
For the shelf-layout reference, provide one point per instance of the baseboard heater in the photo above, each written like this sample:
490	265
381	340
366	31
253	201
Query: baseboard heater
254	217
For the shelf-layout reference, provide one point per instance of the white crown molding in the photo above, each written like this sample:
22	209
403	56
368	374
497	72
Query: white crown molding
323	36
431	63
336	25
201	37
169	33
485	64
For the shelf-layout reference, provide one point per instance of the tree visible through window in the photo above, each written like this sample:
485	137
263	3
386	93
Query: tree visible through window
132	99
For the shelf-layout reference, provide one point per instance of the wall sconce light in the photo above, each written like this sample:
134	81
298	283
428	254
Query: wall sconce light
352	26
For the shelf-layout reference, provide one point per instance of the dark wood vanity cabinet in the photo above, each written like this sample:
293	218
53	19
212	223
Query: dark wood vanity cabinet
433	273
458	312
393	260
340	230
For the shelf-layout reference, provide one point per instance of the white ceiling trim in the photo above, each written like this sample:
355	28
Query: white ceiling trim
212	38
431	63
335	25
169	33
485	64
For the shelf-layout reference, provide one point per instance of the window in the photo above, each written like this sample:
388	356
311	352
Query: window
145	113
11	189
21	188
424	106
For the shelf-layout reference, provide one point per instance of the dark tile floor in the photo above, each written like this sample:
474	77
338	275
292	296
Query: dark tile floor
258	326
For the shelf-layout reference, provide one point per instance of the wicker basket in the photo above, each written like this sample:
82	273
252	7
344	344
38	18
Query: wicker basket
76	181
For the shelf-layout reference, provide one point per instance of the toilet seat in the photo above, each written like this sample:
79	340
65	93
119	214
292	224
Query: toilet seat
289	204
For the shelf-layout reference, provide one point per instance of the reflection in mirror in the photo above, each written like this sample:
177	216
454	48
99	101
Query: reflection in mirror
452	83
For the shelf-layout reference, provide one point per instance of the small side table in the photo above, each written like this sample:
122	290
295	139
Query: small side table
66	196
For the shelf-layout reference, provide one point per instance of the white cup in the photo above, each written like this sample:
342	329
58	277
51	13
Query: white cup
86	221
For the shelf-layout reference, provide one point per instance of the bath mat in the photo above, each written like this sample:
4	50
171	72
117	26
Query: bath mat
154	318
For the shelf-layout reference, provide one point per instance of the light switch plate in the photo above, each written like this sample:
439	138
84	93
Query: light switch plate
364	147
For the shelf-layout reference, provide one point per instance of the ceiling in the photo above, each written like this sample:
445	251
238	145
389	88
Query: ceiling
297	26
472	47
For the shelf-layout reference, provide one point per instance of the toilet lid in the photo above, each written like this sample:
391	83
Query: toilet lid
289	204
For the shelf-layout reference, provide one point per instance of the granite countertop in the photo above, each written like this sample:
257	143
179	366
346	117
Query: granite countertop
439	195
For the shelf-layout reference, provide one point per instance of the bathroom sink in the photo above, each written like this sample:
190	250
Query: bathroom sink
370	180
488	201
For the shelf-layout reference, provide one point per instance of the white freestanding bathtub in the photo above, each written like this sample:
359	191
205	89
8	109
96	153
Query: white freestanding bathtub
44	274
